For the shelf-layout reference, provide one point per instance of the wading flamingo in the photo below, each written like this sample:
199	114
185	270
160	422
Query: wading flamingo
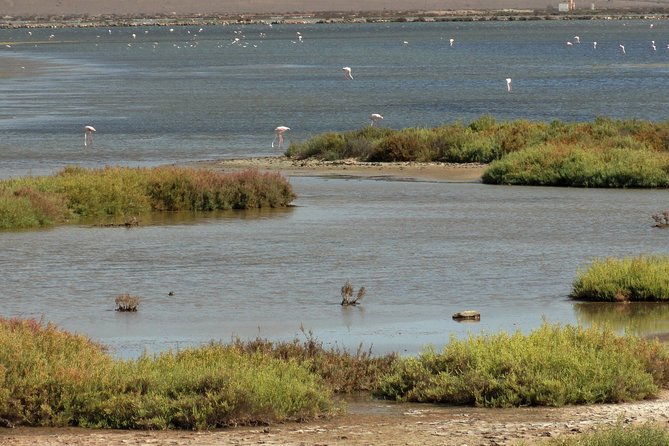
347	73
508	84
375	117
88	135
279	131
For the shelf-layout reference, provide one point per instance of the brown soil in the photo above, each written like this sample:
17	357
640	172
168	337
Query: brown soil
447	172
378	423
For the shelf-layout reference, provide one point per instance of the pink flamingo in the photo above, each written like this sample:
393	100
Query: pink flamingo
279	131
88	135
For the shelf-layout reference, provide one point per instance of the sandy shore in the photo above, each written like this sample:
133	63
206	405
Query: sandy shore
408	171
379	423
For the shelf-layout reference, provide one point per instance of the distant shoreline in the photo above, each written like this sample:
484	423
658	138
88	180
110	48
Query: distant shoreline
115	20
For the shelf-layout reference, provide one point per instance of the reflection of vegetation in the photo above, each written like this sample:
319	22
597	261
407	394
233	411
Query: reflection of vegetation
642	278
639	318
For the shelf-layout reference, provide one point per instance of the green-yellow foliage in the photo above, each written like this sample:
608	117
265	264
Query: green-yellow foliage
620	435
551	366
643	278
52	378
76	193
603	153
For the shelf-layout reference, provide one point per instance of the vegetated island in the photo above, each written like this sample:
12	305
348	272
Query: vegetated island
630	279
54	378
76	194
604	153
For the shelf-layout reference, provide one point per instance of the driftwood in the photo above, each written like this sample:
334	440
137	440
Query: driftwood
347	294
467	315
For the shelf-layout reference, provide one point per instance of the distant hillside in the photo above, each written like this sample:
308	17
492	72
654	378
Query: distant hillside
135	7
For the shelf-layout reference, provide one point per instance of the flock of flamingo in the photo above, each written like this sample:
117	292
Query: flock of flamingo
348	75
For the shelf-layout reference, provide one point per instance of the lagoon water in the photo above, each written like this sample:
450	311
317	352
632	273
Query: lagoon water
423	250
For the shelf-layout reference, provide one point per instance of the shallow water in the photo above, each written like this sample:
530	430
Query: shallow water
423	251
188	94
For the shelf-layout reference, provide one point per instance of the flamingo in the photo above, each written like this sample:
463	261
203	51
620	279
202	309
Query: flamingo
451	42
347	73
622	48
88	135
594	45
375	117
279	131
577	39
508	84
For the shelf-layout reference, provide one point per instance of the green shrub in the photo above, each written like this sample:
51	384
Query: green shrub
603	153
52	378
76	193
552	366
643	278
341	371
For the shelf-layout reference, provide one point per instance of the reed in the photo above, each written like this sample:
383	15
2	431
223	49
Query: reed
49	377
551	366
75	194
647	434
642	278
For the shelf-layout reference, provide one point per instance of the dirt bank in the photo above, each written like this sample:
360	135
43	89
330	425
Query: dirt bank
446	172
378	423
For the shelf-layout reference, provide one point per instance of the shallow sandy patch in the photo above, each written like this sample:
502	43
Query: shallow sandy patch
445	172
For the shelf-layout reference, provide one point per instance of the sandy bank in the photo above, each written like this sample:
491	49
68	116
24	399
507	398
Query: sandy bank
444	172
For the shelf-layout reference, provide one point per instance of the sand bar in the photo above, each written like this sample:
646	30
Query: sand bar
409	171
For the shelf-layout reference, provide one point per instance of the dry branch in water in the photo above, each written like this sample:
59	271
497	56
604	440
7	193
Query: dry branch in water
347	294
661	219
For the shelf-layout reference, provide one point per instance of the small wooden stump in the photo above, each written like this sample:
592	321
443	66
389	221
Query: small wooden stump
467	315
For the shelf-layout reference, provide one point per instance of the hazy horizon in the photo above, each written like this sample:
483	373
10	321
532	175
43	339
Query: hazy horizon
96	7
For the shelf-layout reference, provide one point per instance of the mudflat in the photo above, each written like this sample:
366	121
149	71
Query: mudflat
374	422
445	172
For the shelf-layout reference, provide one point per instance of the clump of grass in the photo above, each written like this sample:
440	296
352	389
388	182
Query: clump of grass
126	302
49	377
551	366
642	278
347	294
75	194
646	434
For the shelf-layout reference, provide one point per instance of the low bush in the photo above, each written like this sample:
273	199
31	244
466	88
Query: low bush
341	370
75	194
551	366
643	278
52	378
